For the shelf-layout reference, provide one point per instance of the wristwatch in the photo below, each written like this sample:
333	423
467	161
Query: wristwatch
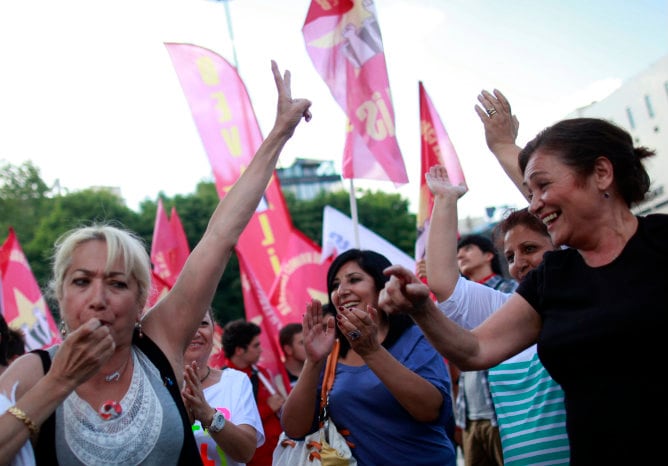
217	423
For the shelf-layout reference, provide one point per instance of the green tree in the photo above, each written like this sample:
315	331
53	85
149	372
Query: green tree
383	213
24	199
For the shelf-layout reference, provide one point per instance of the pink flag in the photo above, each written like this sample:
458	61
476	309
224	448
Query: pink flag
228	128
169	248
24	306
437	149
169	252
344	42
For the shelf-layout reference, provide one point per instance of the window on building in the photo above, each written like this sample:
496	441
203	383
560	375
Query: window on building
632	123
648	104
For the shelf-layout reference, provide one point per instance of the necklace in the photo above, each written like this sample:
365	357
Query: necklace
114	376
208	372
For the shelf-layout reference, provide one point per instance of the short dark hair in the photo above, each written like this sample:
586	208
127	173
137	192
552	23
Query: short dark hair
578	142
514	219
16	344
238	334
485	245
4	340
288	332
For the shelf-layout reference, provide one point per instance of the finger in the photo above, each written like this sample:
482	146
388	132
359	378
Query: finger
481	114
502	100
287	83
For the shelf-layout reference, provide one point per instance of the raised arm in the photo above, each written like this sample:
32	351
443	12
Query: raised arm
501	128
298	411
172	322
514	327
442	269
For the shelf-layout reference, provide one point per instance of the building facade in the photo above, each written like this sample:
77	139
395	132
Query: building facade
640	106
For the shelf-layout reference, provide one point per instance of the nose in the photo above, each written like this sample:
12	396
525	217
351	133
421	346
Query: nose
535	205
98	295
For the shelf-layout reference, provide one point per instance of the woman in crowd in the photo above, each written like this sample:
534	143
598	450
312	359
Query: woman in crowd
111	391
529	404
594	308
227	426
391	389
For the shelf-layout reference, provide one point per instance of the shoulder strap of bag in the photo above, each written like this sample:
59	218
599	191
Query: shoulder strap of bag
328	379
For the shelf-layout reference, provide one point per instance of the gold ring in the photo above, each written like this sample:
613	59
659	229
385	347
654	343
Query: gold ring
491	111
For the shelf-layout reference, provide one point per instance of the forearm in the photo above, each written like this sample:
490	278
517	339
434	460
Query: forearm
417	395
507	155
299	408
38	403
238	442
456	344
442	269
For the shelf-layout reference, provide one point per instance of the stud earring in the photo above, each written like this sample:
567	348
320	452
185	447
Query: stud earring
63	329
606	195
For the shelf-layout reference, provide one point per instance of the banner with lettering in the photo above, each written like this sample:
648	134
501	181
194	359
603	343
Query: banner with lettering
227	125
345	45
436	149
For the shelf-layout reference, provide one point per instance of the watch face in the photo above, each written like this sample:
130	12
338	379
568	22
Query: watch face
218	422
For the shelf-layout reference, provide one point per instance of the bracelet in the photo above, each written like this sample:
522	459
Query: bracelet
19	414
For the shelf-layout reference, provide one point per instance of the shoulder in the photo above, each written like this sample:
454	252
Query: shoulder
22	375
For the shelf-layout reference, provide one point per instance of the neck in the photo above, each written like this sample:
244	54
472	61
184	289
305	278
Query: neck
294	366
480	275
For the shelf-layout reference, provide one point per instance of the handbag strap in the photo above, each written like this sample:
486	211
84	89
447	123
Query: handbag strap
328	379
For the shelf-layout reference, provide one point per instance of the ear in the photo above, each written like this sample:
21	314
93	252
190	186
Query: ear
489	256
287	350
603	173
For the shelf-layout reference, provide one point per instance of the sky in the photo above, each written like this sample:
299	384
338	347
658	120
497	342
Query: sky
89	95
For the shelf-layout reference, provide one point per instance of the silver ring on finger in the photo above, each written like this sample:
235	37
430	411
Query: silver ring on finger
354	334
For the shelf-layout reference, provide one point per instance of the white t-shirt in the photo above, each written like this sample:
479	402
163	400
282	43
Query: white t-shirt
529	404
232	396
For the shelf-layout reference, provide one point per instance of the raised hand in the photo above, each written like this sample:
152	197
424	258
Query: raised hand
318	331
439	183
290	111
501	126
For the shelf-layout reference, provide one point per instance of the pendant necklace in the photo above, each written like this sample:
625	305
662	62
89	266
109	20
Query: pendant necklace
114	376
208	372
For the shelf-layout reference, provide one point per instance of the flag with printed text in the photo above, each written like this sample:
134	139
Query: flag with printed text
345	45
436	149
231	135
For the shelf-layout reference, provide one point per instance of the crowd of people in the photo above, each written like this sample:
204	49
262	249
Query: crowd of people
539	355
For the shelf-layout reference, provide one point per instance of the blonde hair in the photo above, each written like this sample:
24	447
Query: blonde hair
120	243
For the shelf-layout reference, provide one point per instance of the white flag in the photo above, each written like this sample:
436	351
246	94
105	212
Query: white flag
338	235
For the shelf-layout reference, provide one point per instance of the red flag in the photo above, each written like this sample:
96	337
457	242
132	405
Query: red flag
24	306
169	252
260	311
227	125
437	149
344	42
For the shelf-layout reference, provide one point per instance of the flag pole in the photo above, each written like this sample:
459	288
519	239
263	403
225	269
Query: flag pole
230	33
353	214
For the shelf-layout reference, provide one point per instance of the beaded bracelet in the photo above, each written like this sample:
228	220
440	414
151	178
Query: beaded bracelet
19	414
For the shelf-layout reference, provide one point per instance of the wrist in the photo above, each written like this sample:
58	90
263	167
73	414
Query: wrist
208	418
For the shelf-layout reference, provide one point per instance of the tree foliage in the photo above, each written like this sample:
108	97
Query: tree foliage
39	216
